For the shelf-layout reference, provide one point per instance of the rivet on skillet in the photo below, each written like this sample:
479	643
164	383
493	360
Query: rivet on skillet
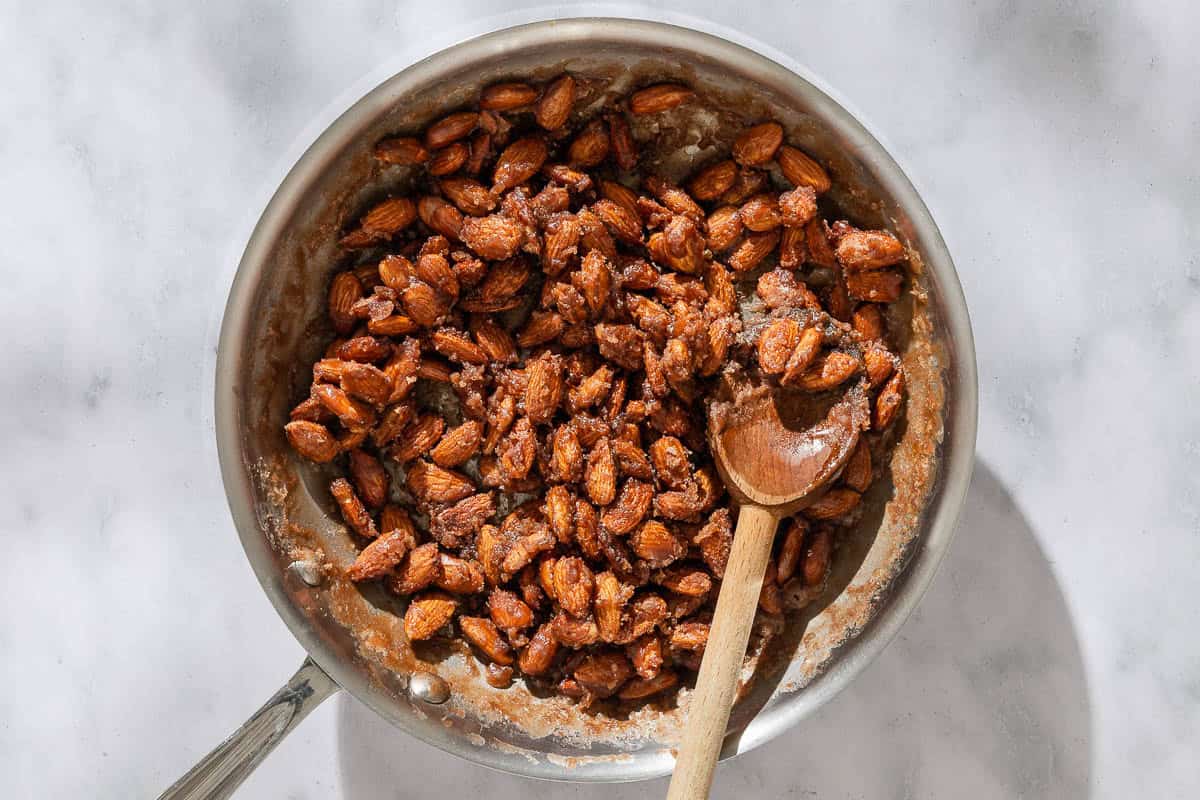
428	688
308	572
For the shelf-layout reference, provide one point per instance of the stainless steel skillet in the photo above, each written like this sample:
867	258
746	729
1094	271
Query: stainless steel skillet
296	546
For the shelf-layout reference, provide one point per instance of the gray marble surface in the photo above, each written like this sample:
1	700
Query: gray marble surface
1056	655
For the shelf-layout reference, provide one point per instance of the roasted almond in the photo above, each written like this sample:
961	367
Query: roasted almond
506	96
660	97
590	147
573	585
450	128
459	575
458	444
802	170
888	402
753	249
484	635
517	163
449	159
427	614
554	107
834	503
714	180
370	479
859	251
757	145
493	237
353	511
312	441
344	292
403	150
433	484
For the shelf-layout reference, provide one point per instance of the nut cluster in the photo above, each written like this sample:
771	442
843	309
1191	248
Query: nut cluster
516	391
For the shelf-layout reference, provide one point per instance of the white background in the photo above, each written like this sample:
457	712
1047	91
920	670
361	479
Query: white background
1056	655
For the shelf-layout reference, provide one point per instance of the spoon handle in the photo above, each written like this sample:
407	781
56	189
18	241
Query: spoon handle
716	685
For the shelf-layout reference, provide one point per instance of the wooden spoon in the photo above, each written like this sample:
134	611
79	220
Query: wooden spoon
773	464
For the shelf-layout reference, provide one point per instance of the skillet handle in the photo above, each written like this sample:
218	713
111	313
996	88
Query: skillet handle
220	772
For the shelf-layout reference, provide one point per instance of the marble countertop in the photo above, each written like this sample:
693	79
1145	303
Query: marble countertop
1056	654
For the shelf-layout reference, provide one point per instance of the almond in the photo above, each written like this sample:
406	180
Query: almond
495	342
816	559
807	349
630	507
312	441
439	216
382	555
427	614
686	580
656	544
370	479
418	437
833	504
543	326
539	654
753	249
857	472
455	525
450	128
724	228
518	162
573	584
433	484
798	207
419	570
802	170
790	550
714	180
660	97
690	635
353	511
366	382
483	634
507	96
468	195
757	145
458	444
508	611
455	345
449	159
623	148
344	292
859	251
888	402
641	688
545	389
776	344
560	243
560	512
493	237
868	321
624	225
611	598
761	213
403	150
602	674
590	147
554	107
601	476
459	575
831	371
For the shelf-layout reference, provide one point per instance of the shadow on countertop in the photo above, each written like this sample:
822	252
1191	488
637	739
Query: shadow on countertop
981	695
